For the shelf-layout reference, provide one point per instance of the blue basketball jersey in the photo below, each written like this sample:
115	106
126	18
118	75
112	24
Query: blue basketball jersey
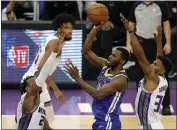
106	108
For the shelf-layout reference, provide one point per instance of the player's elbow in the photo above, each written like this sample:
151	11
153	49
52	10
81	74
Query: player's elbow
97	95
84	52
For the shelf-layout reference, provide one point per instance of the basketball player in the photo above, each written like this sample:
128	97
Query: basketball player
153	86
31	113
111	84
50	53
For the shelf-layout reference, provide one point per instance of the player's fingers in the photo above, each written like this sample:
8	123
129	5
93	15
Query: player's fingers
71	69
123	19
154	34
122	16
72	65
67	70
63	100
58	100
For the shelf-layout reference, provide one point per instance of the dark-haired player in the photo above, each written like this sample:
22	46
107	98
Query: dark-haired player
112	82
50	54
31	113
153	86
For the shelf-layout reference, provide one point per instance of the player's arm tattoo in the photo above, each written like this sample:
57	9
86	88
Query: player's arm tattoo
117	84
89	54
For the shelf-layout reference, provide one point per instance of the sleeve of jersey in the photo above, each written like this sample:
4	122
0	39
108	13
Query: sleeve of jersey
46	70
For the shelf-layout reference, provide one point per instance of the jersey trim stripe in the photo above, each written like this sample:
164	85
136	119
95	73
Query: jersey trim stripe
111	109
24	121
143	108
120	75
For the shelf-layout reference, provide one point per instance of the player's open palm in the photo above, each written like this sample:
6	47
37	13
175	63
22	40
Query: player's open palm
125	22
60	97
72	70
61	42
158	36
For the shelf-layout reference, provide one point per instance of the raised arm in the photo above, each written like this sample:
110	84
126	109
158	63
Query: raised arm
53	46
58	94
128	42
137	49
48	50
88	53
158	39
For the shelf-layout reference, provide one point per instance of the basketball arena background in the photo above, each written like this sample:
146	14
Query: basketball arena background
20	40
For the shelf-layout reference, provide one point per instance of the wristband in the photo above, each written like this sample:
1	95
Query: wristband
131	31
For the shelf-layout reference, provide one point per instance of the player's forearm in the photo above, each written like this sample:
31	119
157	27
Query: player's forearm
128	35
89	41
136	46
51	83
88	88
159	49
128	39
45	71
167	32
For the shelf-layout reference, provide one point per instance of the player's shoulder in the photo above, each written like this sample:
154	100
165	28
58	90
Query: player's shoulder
162	79
122	75
51	40
52	37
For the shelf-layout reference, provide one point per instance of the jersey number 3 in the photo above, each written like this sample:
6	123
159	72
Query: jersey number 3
41	122
158	103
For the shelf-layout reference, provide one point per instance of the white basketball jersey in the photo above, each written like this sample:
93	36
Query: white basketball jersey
41	52
148	105
30	120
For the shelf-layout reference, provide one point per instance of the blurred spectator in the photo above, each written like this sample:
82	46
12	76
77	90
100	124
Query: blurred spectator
24	10
15	10
173	8
77	8
7	12
53	8
145	17
83	7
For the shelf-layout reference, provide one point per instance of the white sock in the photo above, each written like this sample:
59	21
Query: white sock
50	114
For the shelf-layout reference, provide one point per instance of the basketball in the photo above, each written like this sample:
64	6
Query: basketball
98	13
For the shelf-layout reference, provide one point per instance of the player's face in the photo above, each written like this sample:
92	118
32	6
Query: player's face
67	29
115	58
30	83
158	66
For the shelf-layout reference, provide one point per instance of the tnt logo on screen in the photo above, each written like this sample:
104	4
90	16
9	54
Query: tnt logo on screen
18	56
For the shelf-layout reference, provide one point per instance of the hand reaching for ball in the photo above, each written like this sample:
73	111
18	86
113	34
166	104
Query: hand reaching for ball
105	26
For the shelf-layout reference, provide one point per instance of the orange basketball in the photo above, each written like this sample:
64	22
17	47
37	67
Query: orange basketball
98	13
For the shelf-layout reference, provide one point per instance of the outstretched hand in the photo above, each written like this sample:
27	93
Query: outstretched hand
158	36
60	97
125	22
72	70
100	26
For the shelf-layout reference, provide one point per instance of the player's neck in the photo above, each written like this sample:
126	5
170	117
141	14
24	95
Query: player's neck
116	69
